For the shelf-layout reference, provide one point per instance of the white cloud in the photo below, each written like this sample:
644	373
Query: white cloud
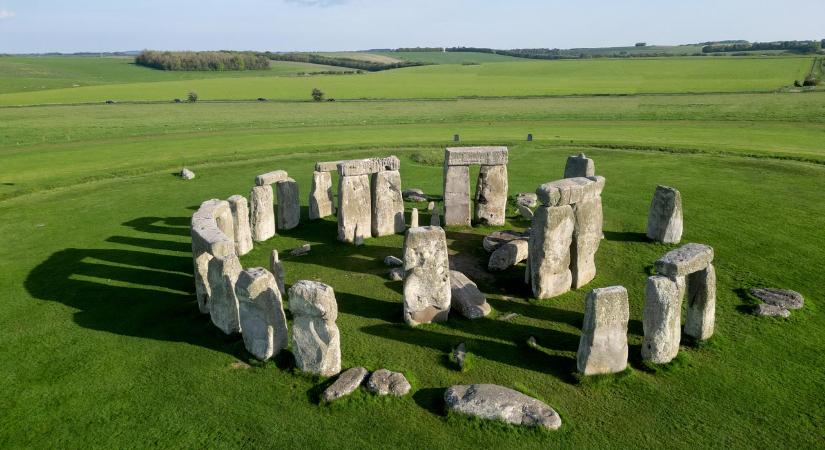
6	14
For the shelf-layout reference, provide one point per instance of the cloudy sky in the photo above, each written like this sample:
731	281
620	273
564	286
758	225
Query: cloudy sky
111	25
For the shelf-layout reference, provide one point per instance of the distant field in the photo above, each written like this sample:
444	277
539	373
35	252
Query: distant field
523	78
35	73
450	57
362	56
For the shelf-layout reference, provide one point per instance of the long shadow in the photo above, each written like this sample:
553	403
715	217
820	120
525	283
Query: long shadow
625	236
749	303
151	243
175	226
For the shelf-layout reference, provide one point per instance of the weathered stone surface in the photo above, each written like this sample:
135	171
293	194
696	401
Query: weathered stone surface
320	196
466	298
783	298
187	174
579	166
354	208
765	309
301	251
414	218
427	276
430	206
587	235
261	313
393	261
316	342
396	274
414	195
368	166
549	251
435	218
387	204
525	212
701	303
277	269
468	156
508	255
569	191
327	166
240	220
528	199
202	291
457	207
269	178
684	260
664	220
209	240
223	303
346	384
493	402
385	382
496	239
603	344
460	356
662	320
262	213
491	195
289	204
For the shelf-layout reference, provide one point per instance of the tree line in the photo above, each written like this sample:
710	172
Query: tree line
788	46
358	64
207	61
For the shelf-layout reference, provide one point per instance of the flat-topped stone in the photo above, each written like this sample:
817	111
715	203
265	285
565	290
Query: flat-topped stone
262	319
273	177
603	343
783	298
387	382
569	191
684	260
664	219
368	166
467	156
316	341
579	166
328	166
427	276
346	384
493	402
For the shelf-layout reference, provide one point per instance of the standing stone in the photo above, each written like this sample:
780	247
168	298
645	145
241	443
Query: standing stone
435	218
289	204
664	220
427	281
579	166
549	251
466	298
414	218
320	196
662	320
223	303
508	255
316	341
701	303
210	224
491	195
587	235
277	269
354	208
240	219
603	344
262	213
262	313
457	208
387	204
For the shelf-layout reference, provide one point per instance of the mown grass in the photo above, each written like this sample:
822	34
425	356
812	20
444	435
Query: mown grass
530	78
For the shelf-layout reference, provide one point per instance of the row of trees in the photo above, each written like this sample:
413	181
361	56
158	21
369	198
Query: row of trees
358	64
209	61
788	46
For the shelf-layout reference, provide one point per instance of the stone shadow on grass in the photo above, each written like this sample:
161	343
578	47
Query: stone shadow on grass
431	399
626	236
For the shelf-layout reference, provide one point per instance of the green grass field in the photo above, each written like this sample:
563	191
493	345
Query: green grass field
451	57
103	345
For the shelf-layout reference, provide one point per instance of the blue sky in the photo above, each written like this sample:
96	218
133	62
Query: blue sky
110	25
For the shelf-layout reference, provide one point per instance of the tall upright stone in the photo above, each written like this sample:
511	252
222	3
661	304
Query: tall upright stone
579	166
354	208
414	218
603	344
662	320
277	269
387	203
549	250
664	220
320	196
289	204
457	206
316	341
209	240
427	282
240	219
701	303
587	235
261	313
262	213
491	195
223	304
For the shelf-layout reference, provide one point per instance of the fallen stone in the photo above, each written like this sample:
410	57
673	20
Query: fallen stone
496	239
469	156
549	251
491	195
457	206
302	250
223	303
460	356
413	191
466	298
357	167
270	178
664	219
385	382
393	261
187	174
579	166
262	213
396	274
316	342
240	220
493	402
528	199
346	384
289	204
603	344
508	255
354	208
569	191
525	212
277	269
783	298
387	204
684	260
662	320
427	276
261	313
765	309
320	196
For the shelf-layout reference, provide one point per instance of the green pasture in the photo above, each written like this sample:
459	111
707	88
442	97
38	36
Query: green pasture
450	57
